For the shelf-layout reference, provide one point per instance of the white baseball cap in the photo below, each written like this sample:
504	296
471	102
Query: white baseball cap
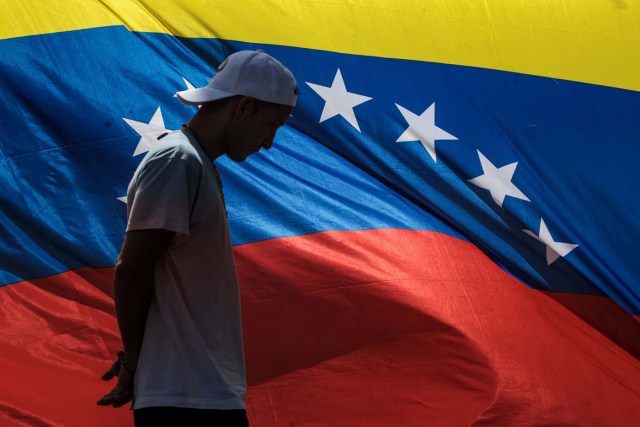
250	73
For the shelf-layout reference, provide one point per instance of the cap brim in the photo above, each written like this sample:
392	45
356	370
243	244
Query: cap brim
202	95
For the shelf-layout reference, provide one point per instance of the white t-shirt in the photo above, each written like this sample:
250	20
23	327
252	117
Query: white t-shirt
192	351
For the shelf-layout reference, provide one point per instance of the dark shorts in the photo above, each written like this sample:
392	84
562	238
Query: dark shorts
189	417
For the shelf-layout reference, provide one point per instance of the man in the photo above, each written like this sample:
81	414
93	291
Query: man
176	291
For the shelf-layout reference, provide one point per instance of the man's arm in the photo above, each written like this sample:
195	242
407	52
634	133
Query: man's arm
133	290
134	285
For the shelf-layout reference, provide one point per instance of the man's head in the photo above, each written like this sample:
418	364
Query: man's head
249	73
244	104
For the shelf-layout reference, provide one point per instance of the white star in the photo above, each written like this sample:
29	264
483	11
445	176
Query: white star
149	132
338	101
554	249
123	199
498	180
423	128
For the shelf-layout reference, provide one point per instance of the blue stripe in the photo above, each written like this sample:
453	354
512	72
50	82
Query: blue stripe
67	155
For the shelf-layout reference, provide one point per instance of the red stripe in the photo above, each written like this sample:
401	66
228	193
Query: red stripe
370	328
56	338
412	328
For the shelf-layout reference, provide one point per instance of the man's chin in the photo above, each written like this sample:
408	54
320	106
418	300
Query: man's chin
238	159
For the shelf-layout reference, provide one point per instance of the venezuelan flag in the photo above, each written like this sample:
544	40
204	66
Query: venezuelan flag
444	234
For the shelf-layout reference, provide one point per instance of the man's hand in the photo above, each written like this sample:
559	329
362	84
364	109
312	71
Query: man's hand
122	393
114	370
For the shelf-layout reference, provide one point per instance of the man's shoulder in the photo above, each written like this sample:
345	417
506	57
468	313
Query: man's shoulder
175	145
172	152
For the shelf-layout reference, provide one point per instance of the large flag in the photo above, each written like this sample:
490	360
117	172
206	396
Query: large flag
444	234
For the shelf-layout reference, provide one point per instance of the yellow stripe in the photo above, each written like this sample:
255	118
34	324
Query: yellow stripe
594	41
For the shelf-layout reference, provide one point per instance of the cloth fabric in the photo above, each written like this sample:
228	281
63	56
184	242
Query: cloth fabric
192	351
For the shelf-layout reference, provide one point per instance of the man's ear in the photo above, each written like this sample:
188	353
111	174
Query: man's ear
243	107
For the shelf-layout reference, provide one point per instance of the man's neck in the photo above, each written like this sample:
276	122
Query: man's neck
207	140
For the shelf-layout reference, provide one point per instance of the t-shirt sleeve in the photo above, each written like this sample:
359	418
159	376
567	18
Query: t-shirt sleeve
161	198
